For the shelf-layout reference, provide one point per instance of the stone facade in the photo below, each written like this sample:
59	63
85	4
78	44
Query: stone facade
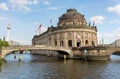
72	30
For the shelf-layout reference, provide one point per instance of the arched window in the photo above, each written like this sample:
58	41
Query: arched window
69	43
78	39
93	44
78	44
55	42
86	42
61	43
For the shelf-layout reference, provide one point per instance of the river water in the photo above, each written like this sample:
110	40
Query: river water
43	67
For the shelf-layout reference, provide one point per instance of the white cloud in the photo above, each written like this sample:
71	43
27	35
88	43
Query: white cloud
3	6
36	23
109	37
34	2
115	9
53	8
46	2
97	19
24	42
22	4
2	18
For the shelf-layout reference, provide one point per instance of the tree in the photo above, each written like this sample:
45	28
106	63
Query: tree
0	43
5	44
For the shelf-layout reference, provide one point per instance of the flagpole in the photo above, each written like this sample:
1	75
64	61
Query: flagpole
40	28
39	31
102	41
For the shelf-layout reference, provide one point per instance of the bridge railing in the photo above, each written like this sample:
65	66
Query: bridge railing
36	47
17	47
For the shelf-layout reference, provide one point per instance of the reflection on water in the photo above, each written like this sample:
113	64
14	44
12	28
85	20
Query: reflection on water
42	67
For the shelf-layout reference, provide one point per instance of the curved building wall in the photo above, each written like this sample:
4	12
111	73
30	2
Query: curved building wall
68	38
71	31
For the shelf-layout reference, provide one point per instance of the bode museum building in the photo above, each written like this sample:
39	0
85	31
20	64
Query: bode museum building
72	30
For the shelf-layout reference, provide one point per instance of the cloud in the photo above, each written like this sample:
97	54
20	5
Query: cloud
46	2
36	23
53	8
97	19
3	6
115	9
2	18
22	4
109	37
23	42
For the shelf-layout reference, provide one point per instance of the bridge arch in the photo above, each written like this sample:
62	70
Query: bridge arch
117	52
5	52
65	52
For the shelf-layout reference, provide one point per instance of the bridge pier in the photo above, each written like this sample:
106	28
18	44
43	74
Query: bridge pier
4	53
91	53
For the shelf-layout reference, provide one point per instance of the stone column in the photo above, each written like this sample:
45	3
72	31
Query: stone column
74	39
96	43
65	40
82	41
52	40
58	40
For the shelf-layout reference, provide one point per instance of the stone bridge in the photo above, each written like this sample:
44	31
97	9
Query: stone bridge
92	52
113	50
8	50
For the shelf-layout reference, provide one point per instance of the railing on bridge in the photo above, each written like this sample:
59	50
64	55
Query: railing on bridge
36	47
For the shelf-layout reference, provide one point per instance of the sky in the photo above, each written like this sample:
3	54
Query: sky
25	16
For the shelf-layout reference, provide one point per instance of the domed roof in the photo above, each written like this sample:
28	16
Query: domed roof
71	17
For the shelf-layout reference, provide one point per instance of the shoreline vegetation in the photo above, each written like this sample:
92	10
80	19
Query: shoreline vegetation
3	43
1	61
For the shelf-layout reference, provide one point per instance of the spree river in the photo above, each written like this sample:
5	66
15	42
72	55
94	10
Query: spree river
43	67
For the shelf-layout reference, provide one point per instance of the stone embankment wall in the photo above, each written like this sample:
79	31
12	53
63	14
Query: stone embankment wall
90	52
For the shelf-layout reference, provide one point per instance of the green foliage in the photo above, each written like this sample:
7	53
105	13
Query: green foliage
3	43
1	61
0	43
